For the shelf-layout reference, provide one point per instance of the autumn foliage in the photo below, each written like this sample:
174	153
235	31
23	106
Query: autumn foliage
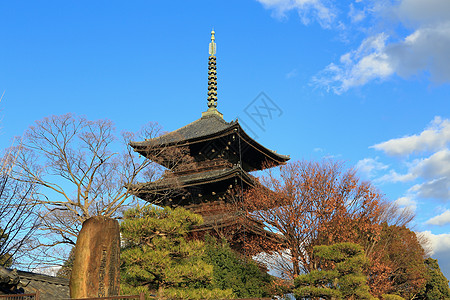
323	203
397	263
315	204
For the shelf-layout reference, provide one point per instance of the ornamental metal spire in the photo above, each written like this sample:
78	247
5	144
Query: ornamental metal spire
212	74
212	80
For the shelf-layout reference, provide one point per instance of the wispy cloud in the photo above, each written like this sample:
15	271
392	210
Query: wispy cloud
416	41
291	74
439	242
356	15
407	203
435	137
308	10
369	167
393	176
430	165
357	67
440	248
441	219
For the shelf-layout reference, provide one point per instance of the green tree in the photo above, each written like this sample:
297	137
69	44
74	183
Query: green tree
337	276
436	286
236	272
66	268
158	259
391	297
5	258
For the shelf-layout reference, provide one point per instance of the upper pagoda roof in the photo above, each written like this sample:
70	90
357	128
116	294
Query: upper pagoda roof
205	127
208	127
248	153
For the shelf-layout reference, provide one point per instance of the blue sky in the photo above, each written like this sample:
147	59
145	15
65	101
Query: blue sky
366	82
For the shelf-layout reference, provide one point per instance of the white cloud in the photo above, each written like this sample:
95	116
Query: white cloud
278	263
436	172
426	49
307	9
440	249
440	220
393	176
438	242
357	67
436	166
386	50
433	138
433	170
356	15
406	203
291	74
369	166
423	12
51	270
434	189
423	50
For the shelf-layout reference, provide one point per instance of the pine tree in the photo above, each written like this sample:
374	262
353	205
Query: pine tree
237	272
158	259
338	276
436	287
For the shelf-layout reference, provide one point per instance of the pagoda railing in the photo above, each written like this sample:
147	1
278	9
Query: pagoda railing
205	166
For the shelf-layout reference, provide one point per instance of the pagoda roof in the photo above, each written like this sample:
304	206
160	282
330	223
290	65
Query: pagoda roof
208	127
241	227
228	219
194	179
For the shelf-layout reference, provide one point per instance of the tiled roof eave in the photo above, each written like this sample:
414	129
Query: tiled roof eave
233	128
236	171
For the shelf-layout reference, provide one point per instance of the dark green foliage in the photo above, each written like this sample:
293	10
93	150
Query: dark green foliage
157	259
436	286
231	271
391	297
5	258
67	266
339	276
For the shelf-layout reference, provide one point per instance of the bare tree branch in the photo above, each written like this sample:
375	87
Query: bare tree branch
18	220
84	170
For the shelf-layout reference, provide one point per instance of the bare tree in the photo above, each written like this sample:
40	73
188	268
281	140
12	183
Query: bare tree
18	221
84	169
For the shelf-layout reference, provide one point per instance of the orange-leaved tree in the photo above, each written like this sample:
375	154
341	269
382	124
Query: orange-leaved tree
397	262
323	203
315	203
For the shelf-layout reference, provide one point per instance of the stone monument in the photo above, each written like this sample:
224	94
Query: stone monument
95	271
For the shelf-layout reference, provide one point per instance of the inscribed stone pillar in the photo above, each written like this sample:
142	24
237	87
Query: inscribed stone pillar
95	271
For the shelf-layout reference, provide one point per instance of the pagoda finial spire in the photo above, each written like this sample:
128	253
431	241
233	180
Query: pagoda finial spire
212	45
212	80
212	74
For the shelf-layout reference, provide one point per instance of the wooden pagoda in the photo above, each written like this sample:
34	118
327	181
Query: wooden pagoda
221	156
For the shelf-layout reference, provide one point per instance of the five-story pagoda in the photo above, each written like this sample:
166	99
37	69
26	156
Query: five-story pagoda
221	155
